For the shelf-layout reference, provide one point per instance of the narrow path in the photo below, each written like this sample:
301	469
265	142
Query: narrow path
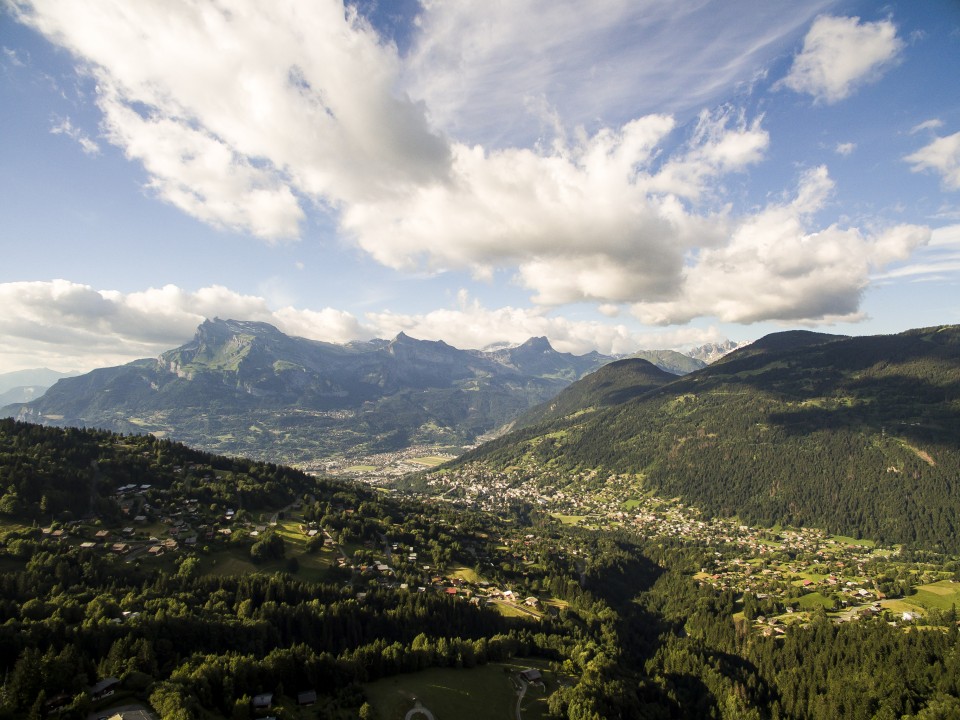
523	691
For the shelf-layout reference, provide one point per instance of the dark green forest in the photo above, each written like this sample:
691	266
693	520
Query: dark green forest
854	435
637	637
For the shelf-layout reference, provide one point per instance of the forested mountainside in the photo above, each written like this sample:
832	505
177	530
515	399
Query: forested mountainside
612	384
245	388
859	435
159	575
214	595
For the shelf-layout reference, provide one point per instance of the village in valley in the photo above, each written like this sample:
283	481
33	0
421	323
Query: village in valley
780	576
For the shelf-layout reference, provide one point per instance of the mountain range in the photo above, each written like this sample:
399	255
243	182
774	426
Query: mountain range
245	388
859	435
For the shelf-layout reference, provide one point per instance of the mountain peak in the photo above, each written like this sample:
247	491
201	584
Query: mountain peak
537	344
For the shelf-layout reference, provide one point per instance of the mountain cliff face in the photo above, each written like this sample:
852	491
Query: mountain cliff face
246	388
711	352
858	435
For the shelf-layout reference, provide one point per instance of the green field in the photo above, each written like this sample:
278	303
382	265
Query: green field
941	595
429	460
844	540
568	519
235	560
814	599
465	573
488	692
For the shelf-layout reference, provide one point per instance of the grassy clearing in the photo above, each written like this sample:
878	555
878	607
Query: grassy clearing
482	693
235	561
844	540
899	606
813	600
941	595
429	460
509	610
632	503
360	468
465	573
568	519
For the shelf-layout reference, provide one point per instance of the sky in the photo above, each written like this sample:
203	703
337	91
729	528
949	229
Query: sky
614	175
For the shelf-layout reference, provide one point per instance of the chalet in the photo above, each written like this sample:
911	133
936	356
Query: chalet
531	675
104	688
263	701
87	545
120	548
102	534
156	550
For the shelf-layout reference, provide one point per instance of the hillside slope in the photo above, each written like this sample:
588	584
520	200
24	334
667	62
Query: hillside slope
857	435
612	384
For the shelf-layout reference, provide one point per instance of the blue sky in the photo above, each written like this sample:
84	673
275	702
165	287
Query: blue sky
615	175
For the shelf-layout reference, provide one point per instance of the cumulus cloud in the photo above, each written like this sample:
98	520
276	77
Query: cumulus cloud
68	325
600	219
775	266
840	54
245	116
943	157
845	149
236	109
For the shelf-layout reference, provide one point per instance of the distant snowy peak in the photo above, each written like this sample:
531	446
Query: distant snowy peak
711	352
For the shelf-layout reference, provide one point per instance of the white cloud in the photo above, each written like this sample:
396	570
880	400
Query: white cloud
243	115
775	267
942	156
845	149
471	325
65	127
500	73
236	109
67	325
939	260
840	54
933	124
602	219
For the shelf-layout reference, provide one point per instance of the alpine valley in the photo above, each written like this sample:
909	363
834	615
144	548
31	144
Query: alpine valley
772	536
